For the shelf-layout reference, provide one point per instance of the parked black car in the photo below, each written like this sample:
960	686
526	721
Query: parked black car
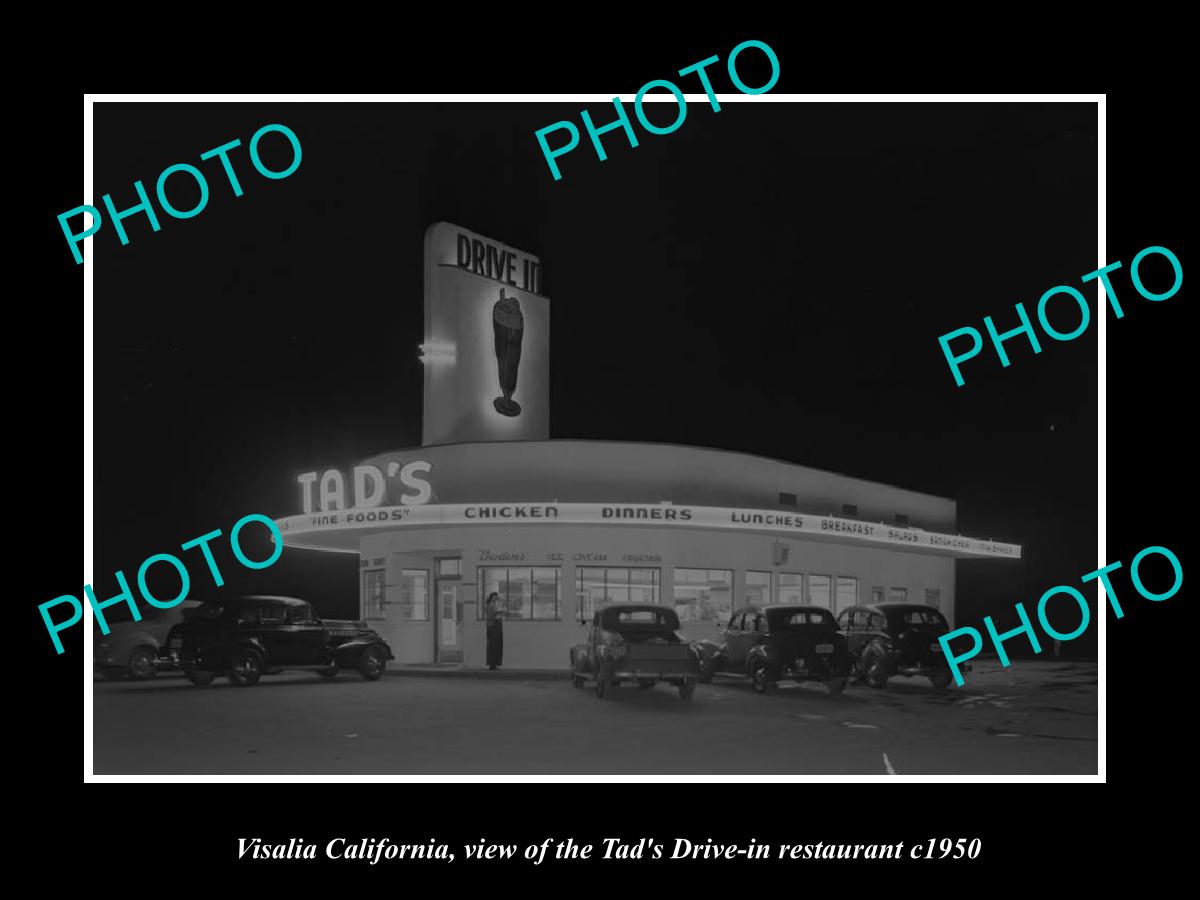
889	639
130	649
247	637
639	643
777	643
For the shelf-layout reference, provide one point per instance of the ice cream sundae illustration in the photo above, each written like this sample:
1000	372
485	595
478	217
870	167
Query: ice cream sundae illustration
509	326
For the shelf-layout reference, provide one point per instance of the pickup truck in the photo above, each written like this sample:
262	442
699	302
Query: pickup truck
635	643
247	637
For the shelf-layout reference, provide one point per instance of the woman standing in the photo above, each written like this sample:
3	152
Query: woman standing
495	631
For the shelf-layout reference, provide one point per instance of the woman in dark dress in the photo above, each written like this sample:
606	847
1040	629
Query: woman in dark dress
495	631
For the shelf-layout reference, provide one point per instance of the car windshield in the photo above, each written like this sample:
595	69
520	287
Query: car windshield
205	611
784	618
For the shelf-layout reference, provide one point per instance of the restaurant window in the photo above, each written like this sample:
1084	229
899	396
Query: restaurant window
703	595
413	604
897	595
847	591
786	499
791	588
849	509
373	594
818	590
526	594
876	595
597	586
449	567
758	588
933	597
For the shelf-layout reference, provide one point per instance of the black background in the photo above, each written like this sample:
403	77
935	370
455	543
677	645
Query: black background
1019	824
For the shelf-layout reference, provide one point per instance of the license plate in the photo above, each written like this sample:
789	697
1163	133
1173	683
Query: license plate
936	648
824	648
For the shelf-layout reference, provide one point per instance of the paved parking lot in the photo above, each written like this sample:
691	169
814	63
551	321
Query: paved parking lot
1030	718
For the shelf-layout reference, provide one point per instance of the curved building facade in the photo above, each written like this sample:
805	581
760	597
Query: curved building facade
559	527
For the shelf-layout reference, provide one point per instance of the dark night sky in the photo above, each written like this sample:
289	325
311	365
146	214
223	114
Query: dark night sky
769	279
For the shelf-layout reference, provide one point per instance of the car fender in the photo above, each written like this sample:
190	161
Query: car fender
246	643
582	655
122	648
350	653
757	652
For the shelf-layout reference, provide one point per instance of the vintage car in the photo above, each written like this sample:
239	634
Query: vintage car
889	639
781	643
639	643
130	649
247	637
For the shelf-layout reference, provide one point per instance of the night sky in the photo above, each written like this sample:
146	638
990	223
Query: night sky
771	279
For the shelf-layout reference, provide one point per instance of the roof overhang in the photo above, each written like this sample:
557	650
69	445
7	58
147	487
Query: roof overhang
341	530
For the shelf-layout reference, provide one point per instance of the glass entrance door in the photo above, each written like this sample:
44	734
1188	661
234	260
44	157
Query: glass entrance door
448	619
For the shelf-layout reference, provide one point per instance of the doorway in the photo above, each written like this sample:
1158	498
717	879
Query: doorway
447	640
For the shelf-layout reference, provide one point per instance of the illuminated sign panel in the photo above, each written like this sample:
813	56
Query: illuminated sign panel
367	487
662	515
487	341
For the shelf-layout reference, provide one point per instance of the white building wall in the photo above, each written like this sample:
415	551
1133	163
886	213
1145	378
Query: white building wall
536	644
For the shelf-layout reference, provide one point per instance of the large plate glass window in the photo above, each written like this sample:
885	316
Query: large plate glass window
596	586
526	594
703	595
758	588
413	602
791	588
818	591
373	581
847	592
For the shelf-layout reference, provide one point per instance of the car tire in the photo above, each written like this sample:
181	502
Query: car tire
940	680
141	663
245	668
372	664
577	680
330	672
874	668
706	677
686	690
760	678
199	677
836	686
601	684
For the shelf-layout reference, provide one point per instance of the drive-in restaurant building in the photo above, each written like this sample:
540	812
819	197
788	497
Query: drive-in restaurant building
490	503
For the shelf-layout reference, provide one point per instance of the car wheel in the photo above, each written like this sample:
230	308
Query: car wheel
372	664
686	690
577	680
875	669
645	685
759	677
330	672
940	680
141	663
199	677
706	676
245	668
837	685
601	684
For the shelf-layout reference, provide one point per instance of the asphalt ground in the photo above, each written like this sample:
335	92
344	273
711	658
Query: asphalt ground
1030	718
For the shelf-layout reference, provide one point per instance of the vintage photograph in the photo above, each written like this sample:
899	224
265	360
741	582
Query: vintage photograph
657	468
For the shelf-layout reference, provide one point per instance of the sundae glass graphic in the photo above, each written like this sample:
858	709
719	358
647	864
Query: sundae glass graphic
509	326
